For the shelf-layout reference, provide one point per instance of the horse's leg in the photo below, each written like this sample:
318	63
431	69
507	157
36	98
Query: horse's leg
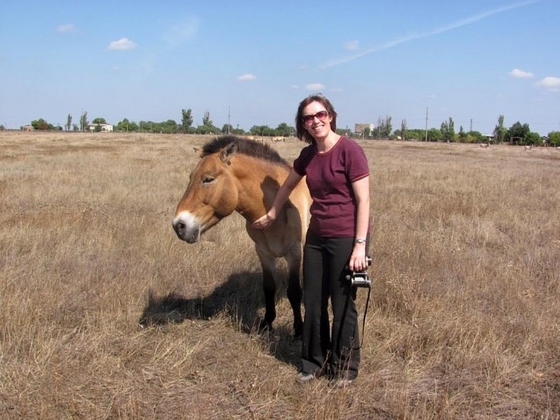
269	288
268	264
294	291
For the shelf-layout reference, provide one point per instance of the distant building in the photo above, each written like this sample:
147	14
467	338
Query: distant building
106	128
360	128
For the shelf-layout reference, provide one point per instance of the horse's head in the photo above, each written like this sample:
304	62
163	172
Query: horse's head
211	195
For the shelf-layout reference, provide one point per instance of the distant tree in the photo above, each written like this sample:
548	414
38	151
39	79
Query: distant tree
388	128
68	122
84	121
517	133
444	129
206	121
434	134
462	135
126	126
533	138
238	131
448	130
186	120
500	131
412	134
99	120
169	126
341	131
41	125
207	126
404	129
207	129
262	130
227	129
383	129
146	126
474	137
554	138
284	130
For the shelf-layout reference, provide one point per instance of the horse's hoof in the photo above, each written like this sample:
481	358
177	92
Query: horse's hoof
265	327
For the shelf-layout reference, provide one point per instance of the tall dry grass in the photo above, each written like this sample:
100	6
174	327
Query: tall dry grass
463	321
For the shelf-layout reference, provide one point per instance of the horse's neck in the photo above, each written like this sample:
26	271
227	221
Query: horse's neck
256	193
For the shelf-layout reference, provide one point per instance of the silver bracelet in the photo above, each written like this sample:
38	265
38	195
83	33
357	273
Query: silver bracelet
359	241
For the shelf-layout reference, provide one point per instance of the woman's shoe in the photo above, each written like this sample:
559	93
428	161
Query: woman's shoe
304	377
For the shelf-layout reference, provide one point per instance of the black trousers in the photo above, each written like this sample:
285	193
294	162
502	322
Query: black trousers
324	271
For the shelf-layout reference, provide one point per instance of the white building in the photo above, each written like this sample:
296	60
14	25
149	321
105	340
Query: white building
106	128
360	128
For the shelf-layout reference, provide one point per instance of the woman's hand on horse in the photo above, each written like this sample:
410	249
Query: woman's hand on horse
263	222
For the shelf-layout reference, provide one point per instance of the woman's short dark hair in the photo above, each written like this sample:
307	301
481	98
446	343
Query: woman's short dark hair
301	132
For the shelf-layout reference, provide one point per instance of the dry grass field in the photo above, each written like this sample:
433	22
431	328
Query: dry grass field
463	323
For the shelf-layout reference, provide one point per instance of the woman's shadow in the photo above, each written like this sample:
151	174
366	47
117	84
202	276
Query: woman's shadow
240	298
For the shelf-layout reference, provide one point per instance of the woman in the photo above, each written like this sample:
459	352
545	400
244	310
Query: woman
337	174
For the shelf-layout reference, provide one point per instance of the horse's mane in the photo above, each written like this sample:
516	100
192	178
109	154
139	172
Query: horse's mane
244	146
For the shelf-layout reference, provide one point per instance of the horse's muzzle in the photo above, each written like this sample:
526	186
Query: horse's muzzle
188	232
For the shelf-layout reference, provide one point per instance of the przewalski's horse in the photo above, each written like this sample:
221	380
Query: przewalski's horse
236	174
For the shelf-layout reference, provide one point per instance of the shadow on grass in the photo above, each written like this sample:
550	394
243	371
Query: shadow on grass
240	297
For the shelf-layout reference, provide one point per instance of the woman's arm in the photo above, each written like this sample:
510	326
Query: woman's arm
282	195
361	191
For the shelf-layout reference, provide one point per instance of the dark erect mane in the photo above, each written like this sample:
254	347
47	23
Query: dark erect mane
244	146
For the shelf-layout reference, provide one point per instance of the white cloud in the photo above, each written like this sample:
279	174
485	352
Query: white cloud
67	27
294	87
122	44
551	83
351	45
521	74
315	86
246	76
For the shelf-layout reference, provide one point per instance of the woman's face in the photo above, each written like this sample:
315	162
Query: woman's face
316	120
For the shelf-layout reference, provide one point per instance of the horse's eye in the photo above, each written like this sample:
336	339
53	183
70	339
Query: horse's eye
207	179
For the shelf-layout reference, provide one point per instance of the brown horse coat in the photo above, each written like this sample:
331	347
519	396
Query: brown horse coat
236	174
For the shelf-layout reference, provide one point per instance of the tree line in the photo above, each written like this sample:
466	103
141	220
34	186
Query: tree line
518	133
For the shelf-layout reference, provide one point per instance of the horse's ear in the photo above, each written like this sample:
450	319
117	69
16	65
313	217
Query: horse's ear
227	152
198	151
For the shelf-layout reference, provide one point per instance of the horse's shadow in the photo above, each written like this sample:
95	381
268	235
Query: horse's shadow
239	297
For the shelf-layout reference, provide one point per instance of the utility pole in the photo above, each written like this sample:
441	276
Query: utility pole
426	139
471	126
228	115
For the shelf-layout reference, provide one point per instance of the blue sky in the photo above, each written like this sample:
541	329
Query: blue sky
251	62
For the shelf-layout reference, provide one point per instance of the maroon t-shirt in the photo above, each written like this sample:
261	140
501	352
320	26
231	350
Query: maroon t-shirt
329	177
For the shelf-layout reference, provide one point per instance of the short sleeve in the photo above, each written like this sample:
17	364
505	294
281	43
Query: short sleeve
357	166
301	162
